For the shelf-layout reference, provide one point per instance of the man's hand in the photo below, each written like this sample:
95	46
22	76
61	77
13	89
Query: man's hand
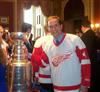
84	89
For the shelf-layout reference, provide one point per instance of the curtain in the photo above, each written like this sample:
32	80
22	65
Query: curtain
46	5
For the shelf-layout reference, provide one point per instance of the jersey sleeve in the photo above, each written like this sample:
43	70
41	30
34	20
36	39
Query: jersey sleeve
39	57
83	56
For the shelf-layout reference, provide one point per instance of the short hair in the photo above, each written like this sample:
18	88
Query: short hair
26	26
86	23
54	17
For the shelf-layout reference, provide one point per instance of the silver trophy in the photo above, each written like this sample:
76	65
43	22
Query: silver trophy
19	70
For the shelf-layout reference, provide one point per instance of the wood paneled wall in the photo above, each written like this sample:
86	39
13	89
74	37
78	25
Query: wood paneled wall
6	11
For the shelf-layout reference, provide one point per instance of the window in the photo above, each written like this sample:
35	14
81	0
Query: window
35	17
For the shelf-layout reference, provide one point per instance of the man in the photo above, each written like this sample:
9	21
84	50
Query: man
67	56
41	75
90	40
26	29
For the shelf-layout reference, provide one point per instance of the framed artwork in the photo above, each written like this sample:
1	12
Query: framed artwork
4	20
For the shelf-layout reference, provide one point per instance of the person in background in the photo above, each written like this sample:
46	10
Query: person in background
90	40
98	41
3	63
26	29
5	45
7	37
97	77
98	46
41	75
67	58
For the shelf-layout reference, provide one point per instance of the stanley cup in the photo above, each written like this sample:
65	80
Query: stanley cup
19	70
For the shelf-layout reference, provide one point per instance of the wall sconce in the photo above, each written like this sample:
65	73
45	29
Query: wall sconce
95	26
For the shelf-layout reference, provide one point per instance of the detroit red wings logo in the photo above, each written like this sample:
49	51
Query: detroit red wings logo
58	59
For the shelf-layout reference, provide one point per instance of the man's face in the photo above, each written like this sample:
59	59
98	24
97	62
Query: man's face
54	27
83	28
28	33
